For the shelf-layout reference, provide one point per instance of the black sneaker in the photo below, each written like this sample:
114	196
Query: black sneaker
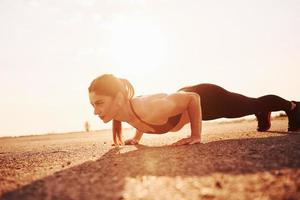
294	118
264	121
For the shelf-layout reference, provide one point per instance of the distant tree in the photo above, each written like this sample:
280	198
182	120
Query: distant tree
87	126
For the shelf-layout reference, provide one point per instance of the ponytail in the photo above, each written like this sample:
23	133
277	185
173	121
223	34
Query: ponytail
128	88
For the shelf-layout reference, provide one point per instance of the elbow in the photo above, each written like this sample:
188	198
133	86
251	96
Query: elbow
194	103
193	95
195	98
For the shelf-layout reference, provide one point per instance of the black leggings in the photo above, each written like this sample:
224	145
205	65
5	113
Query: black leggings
216	102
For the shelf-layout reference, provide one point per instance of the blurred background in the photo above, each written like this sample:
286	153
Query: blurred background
50	51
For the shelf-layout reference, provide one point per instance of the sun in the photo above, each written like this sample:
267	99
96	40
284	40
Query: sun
137	46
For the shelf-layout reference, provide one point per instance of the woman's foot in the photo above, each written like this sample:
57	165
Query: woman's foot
264	121
294	117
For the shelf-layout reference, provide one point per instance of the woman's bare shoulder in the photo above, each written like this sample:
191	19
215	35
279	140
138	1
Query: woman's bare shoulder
152	96
151	106
157	98
144	107
143	103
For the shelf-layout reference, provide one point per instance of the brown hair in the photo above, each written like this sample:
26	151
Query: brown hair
110	85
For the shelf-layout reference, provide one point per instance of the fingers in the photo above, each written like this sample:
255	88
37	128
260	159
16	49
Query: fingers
186	141
127	142
118	143
183	141
195	141
131	142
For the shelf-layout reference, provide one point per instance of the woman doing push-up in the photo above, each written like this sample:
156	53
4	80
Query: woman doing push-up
113	99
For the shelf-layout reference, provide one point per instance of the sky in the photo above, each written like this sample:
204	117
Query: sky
50	51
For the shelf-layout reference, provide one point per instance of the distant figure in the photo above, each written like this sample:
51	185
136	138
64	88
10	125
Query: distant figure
112	99
87	126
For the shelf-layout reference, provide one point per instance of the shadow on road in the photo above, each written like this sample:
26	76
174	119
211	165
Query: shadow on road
106	177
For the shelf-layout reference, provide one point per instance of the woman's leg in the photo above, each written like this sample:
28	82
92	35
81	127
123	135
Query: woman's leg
217	102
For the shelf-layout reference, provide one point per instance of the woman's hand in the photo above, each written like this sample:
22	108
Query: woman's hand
188	140
131	142
135	140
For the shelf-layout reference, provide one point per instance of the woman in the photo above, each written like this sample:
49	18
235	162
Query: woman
112	99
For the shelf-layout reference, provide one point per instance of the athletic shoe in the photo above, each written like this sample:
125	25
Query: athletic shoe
294	118
264	121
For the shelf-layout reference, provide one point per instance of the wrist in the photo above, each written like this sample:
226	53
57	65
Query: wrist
195	135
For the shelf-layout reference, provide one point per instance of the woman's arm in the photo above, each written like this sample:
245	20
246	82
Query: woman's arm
135	139
177	103
195	116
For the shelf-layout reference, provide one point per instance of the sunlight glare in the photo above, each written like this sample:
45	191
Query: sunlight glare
137	47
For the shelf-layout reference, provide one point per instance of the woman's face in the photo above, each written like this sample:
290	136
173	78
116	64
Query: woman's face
103	106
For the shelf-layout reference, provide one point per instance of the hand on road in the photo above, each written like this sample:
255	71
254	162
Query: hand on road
131	142
185	141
